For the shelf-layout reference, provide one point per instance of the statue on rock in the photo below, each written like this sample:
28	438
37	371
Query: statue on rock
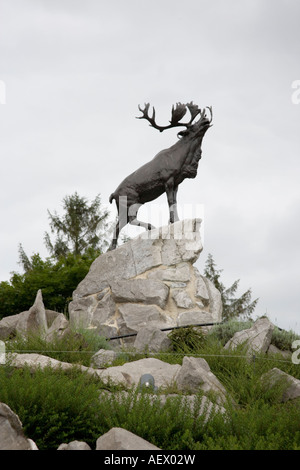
165	171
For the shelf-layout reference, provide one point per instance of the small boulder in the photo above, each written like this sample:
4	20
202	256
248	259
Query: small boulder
290	385
152	339
11	432
103	358
121	439
74	445
256	339
195	375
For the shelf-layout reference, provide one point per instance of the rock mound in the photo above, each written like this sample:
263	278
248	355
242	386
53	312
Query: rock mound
148	281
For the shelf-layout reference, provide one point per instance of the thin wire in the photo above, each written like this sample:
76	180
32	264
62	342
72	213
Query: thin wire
132	353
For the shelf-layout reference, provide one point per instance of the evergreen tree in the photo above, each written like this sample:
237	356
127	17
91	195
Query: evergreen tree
81	227
233	307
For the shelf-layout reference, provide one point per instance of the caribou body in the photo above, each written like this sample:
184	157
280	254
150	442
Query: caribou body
165	171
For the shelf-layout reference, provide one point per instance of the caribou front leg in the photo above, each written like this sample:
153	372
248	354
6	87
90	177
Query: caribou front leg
171	191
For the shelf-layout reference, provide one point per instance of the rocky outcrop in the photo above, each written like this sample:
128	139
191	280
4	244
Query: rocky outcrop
255	339
149	281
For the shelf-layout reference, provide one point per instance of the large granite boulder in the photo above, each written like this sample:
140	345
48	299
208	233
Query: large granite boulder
149	281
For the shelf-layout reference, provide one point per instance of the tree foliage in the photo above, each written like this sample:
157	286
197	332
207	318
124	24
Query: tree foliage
57	279
233	307
79	237
82	226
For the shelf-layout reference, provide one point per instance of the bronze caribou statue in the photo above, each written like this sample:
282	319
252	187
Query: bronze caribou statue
165	171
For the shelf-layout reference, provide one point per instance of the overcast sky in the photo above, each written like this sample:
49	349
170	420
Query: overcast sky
73	73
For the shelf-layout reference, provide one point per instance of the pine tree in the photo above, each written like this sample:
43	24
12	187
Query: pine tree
233	307
82	227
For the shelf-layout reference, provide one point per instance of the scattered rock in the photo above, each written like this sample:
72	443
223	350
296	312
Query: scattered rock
291	385
57	328
273	350
130	373
121	439
11	432
152	340
103	357
195	375
256	339
74	445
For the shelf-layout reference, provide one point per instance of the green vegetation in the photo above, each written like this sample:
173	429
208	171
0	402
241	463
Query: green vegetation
80	237
76	347
233	307
58	406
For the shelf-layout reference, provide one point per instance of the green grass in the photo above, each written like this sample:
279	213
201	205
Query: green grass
58	406
77	347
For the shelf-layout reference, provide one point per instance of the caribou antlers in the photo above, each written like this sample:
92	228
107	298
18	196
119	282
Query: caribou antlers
177	114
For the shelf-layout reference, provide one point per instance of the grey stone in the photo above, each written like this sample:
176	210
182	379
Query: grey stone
130	373
290	385
195	375
39	361
104	311
140	290
180	273
201	291
121	439
273	350
215	300
182	298
11	431
194	317
256	339
133	317
58	327
74	445
103	358
152	340
81	311
8	325
37	315
169	245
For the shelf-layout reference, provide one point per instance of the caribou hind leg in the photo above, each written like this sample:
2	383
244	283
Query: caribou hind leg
132	217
